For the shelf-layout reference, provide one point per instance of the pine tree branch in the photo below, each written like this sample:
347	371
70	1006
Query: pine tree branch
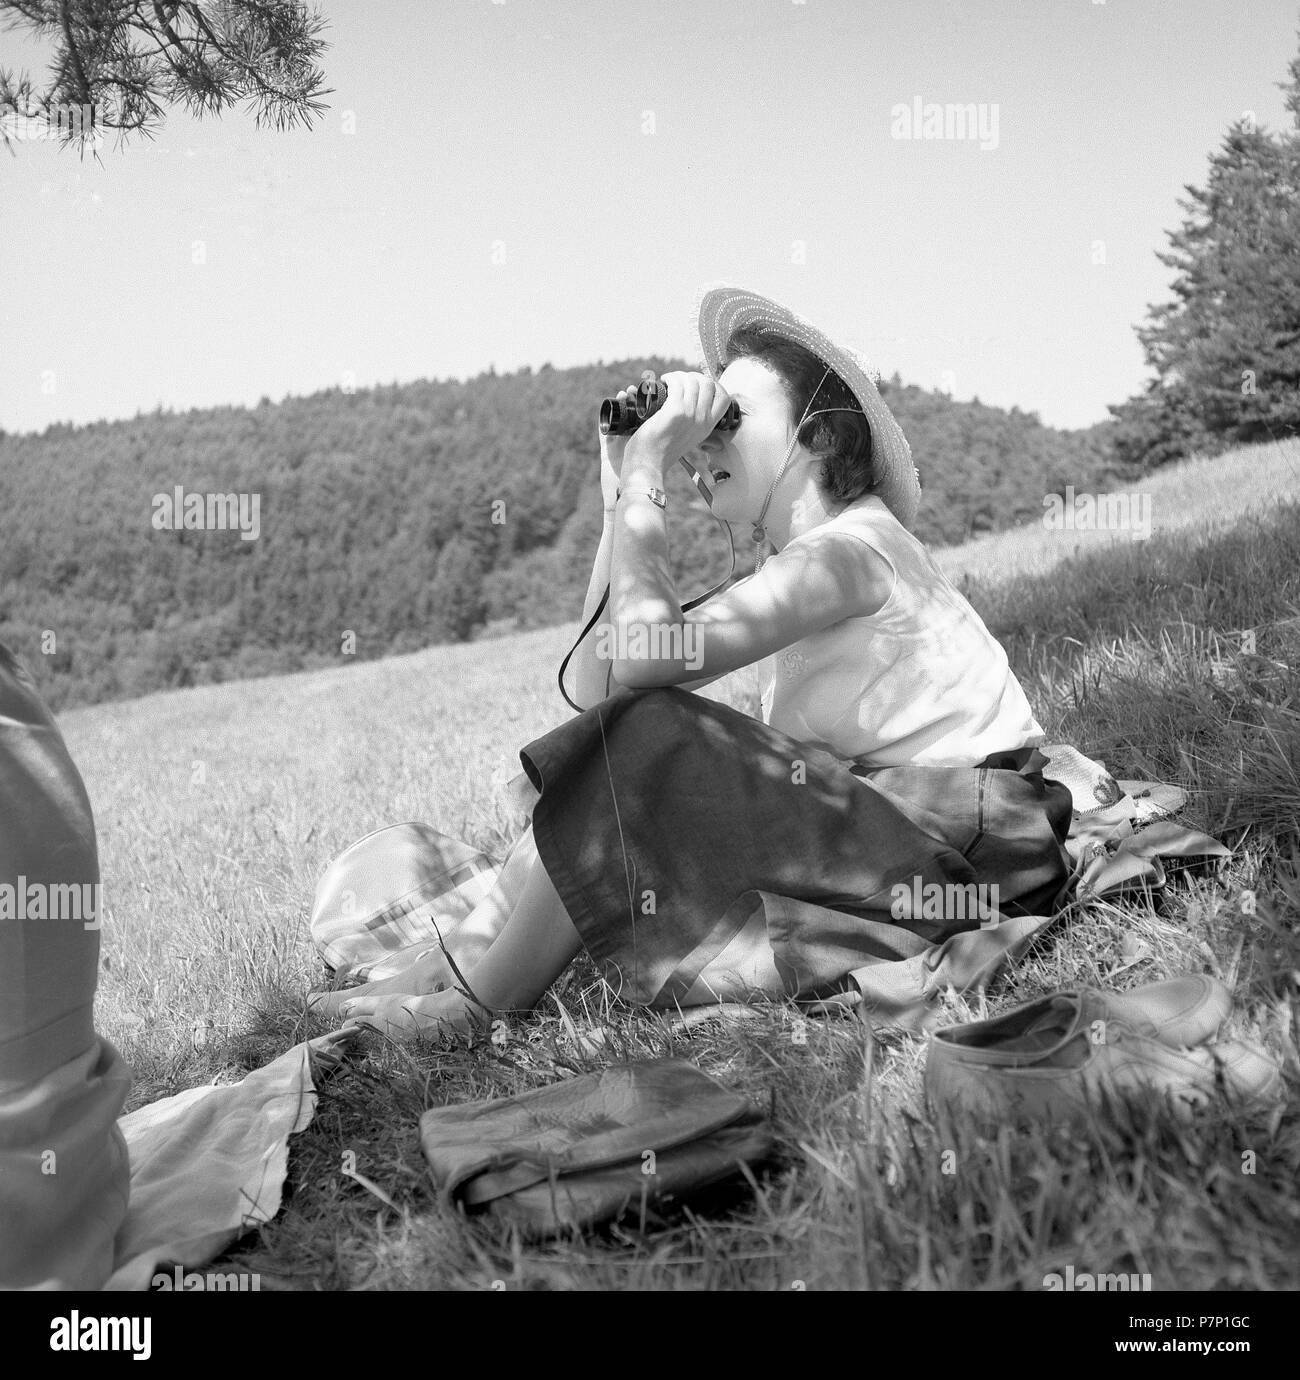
124	57
196	14
73	55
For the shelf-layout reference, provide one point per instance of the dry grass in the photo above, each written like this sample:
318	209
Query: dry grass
1200	495
1133	654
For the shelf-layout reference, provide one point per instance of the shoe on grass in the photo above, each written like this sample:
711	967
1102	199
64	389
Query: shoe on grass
1182	1011
1065	1053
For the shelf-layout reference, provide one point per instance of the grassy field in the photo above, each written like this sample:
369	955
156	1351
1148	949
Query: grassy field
218	808
1187	496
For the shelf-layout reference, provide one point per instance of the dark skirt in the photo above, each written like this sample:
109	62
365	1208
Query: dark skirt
666	821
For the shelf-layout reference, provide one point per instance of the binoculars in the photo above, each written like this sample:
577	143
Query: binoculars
619	418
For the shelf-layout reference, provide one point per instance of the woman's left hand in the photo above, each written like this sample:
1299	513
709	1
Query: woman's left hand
694	406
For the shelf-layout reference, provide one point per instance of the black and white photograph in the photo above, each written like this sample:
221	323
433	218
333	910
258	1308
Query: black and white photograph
650	649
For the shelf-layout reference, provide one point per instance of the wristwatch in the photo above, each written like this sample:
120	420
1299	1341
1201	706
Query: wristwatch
654	495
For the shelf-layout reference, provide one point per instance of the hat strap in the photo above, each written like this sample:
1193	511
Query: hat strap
760	531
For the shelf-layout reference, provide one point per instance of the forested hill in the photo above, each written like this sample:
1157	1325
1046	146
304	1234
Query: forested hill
388	519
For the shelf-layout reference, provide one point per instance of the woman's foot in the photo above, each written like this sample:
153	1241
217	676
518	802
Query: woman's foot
448	1014
429	973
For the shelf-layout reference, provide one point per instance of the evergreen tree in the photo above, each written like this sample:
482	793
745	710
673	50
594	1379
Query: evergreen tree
457	595
1226	350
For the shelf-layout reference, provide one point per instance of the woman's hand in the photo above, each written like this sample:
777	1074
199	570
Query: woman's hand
447	1016
694	406
429	973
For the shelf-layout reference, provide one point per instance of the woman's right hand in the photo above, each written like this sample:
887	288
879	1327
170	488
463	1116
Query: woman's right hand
612	448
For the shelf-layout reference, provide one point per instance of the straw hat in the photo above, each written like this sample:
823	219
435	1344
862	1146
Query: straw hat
722	309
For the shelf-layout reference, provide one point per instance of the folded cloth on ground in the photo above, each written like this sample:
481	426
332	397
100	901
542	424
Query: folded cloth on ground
1120	829
209	1164
579	1152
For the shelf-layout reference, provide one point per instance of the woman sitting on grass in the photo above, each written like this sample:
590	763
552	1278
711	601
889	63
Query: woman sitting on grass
702	855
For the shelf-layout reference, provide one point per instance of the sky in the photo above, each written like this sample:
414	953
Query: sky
553	181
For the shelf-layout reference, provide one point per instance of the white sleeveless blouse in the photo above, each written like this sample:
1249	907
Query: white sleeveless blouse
922	680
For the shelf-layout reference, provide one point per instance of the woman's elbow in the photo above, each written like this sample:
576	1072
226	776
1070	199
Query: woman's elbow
645	674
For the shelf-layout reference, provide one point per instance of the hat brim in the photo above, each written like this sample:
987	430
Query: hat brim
722	310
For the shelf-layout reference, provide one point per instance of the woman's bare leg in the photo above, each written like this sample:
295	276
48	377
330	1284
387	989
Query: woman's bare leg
467	942
536	944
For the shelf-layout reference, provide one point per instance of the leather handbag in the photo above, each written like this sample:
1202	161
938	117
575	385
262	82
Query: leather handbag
582	1151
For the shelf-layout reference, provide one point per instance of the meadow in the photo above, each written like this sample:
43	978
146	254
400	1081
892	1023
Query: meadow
219	806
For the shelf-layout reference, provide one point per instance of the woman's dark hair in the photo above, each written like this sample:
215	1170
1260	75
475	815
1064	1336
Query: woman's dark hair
841	439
